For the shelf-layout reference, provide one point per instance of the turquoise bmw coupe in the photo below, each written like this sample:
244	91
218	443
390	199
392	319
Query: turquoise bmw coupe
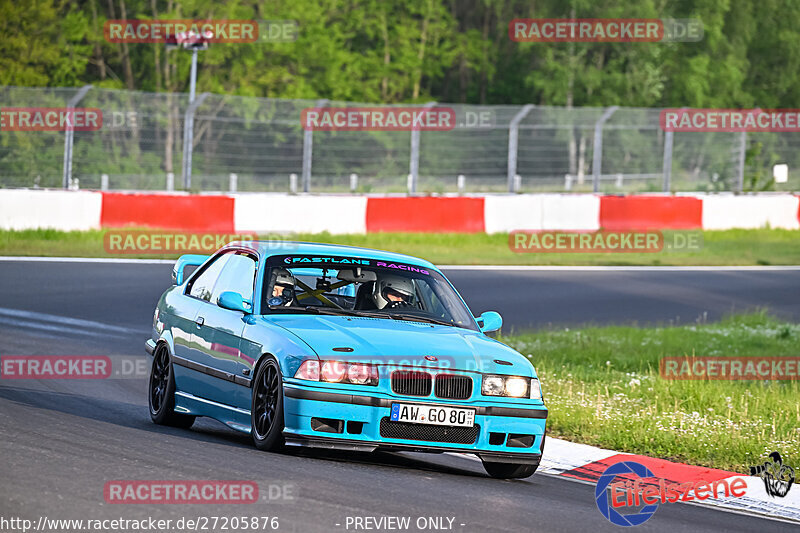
302	344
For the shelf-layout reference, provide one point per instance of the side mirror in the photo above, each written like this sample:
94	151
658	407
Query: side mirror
489	321
234	302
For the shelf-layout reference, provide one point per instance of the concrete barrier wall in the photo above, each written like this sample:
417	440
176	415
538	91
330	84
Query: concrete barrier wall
730	211
650	212
63	210
542	212
283	213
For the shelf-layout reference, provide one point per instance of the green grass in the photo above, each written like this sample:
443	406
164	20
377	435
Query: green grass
603	388
730	247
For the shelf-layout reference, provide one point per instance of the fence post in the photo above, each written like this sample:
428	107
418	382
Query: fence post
69	138
188	140
170	181
308	152
668	160
233	182
461	182
353	182
513	143
413	164
740	169
104	182
667	167
597	155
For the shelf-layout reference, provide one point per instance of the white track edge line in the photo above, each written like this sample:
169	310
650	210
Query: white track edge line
34	259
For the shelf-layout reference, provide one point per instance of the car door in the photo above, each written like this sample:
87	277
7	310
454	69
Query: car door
188	375
218	332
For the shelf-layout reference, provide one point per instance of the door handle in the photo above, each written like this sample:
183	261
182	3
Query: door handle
200	321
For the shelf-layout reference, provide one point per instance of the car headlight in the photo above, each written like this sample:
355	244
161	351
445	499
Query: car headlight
492	386
512	386
516	387
338	372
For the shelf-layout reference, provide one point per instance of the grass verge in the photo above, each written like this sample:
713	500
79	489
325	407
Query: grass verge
729	247
603	388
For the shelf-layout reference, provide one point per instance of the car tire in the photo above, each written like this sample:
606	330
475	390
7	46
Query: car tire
266	413
509	470
161	392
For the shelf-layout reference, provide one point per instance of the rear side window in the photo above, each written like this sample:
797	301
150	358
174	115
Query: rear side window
202	286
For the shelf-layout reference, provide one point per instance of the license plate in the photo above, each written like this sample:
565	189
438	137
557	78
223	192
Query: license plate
431	414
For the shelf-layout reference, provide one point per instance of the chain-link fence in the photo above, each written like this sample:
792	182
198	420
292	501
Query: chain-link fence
259	144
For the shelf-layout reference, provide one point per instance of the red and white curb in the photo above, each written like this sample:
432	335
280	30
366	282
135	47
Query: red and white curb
336	214
586	463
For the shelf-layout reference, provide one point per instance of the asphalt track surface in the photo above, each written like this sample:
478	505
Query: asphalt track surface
62	440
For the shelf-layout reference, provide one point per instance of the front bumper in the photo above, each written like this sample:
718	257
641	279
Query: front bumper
360	422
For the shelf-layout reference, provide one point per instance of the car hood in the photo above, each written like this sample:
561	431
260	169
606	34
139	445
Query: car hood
403	343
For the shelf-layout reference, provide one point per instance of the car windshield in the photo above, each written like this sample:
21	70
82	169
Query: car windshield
362	287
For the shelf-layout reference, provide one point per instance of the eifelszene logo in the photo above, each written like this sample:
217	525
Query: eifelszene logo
778	477
606	505
634	488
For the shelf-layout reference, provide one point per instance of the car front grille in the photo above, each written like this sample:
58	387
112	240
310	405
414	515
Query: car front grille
411	382
453	386
428	433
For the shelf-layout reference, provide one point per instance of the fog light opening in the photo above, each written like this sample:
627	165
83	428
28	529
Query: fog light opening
327	425
520	441
354	428
497	439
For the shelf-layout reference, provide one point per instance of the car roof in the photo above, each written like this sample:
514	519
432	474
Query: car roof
270	248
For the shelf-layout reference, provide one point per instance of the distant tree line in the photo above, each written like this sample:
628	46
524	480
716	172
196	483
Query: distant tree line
418	50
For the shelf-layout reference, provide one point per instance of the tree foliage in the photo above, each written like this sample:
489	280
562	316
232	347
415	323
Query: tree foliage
418	50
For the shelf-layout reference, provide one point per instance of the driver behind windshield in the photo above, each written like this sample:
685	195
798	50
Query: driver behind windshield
391	292
282	287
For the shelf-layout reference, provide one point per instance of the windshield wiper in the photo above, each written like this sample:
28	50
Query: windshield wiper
295	308
341	311
354	312
319	310
394	316
417	318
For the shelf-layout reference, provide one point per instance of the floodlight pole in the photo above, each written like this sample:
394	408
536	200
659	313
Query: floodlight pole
188	126
193	78
70	136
